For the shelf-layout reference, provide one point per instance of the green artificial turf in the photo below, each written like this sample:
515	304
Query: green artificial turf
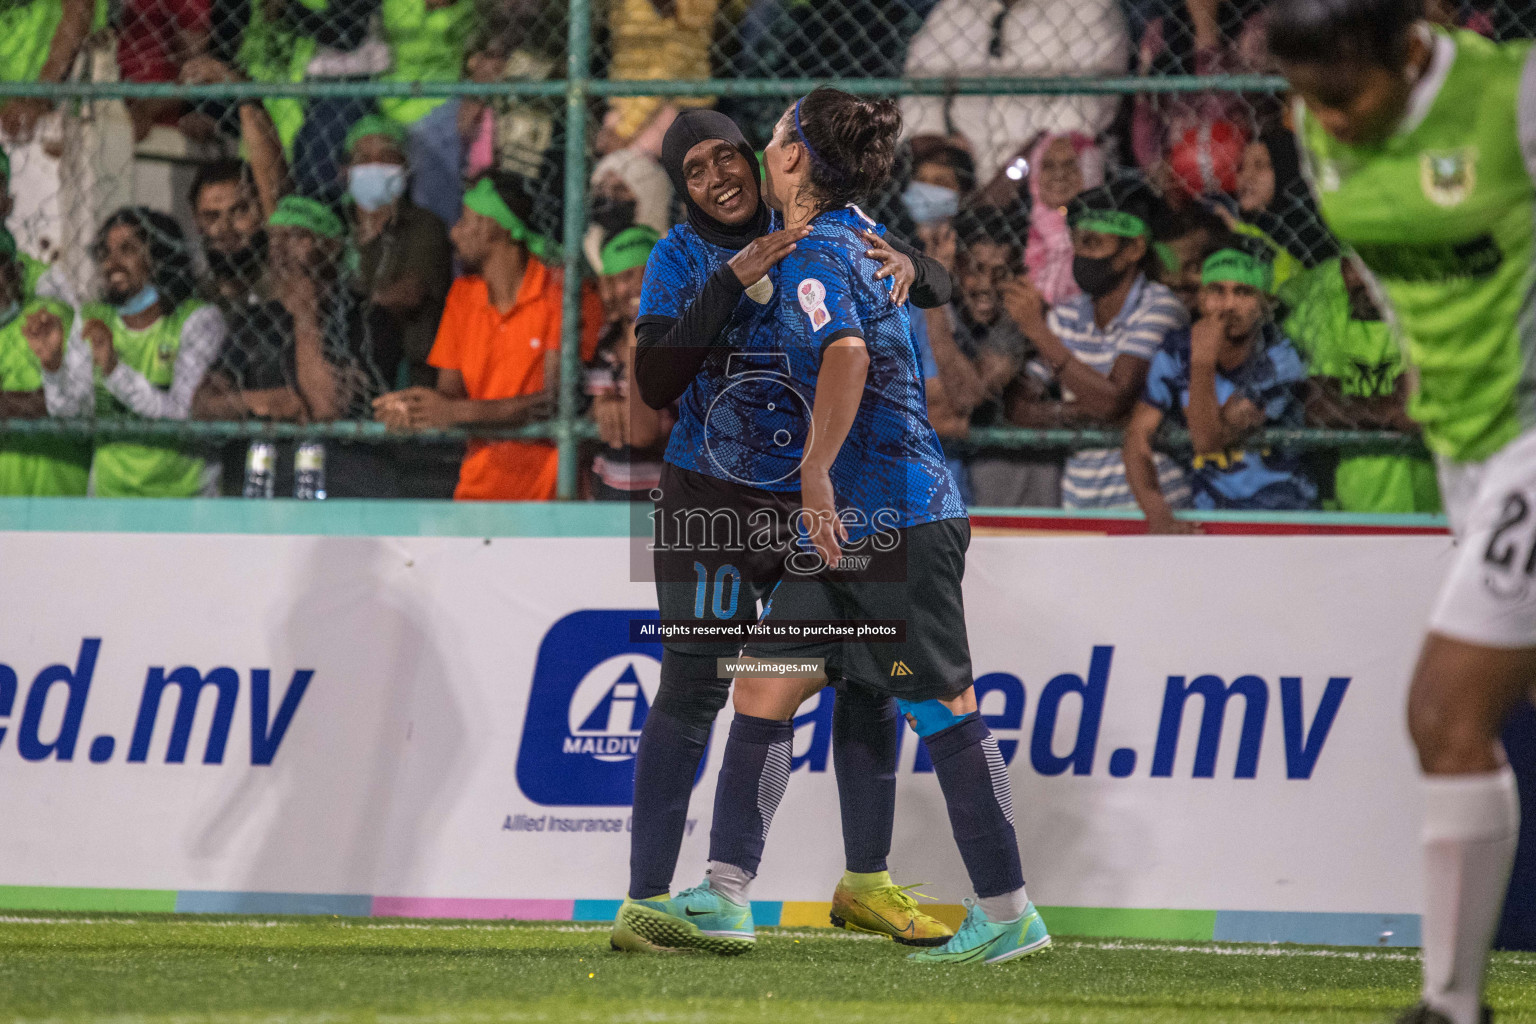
164	968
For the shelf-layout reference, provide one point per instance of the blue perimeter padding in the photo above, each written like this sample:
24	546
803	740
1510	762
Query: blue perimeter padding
273	903
596	910
1317	929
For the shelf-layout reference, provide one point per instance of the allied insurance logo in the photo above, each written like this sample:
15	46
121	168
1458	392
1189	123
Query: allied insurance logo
609	707
592	690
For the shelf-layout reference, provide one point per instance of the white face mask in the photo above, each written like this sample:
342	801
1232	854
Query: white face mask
374	186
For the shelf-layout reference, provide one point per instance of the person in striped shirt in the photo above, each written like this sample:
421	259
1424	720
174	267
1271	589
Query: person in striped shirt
1099	345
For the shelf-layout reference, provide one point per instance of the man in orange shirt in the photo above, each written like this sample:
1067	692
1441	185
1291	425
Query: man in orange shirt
499	333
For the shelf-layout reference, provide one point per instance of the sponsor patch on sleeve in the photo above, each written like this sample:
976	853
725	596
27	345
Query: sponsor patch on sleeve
813	295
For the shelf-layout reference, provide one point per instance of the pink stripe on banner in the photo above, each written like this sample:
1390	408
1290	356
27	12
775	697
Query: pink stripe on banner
521	910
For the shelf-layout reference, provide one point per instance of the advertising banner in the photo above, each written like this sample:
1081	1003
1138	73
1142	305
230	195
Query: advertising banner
1205	736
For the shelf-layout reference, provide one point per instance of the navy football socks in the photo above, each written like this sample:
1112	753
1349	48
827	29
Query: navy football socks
865	743
980	802
672	741
752	782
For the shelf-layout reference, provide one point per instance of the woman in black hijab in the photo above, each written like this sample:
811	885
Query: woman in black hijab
1274	197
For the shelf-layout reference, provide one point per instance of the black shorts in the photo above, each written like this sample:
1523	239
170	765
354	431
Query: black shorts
913	577
718	549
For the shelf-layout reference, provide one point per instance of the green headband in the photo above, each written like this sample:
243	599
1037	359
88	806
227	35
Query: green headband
486	201
1111	222
309	214
1238	267
629	248
375	124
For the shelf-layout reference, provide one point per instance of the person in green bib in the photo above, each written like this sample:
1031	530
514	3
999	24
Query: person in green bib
1419	143
150	345
1359	382
32	466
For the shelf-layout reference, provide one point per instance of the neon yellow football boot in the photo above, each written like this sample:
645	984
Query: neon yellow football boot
873	903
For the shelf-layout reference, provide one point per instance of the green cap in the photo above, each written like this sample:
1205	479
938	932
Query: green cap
375	124
307	213
1239	267
629	248
1109	222
486	201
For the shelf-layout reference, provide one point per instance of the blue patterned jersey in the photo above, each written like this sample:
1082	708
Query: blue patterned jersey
890	472
737	421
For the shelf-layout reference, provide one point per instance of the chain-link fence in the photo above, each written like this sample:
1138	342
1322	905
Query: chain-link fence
290	169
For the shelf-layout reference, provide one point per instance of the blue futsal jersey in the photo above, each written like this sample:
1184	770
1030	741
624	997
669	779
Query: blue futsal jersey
890	472
736	421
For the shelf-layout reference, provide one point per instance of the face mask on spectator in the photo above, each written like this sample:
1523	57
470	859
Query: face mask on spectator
147	297
928	202
1096	276
374	186
613	215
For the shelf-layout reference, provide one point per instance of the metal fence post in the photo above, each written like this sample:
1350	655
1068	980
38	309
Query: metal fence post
579	55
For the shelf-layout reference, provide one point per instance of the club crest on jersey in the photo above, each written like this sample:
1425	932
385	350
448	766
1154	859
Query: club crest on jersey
1448	176
813	295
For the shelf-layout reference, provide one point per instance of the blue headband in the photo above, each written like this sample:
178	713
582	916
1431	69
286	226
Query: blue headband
815	156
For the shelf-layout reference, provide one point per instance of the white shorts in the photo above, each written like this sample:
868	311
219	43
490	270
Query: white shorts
1489	596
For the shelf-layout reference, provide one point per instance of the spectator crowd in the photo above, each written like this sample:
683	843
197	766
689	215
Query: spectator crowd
1130	263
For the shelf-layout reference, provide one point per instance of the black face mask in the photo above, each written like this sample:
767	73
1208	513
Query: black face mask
613	215
1096	276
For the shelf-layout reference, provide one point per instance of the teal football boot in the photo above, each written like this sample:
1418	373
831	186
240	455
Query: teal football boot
698	918
981	940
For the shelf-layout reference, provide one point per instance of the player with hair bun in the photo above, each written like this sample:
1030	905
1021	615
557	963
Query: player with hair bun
1421	143
873	483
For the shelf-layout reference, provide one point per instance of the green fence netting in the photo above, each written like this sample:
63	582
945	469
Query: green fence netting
135	103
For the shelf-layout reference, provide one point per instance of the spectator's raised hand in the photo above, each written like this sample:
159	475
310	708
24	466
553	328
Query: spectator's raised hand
103	352
760	255
1024	304
44	332
1205	339
295	288
893	265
